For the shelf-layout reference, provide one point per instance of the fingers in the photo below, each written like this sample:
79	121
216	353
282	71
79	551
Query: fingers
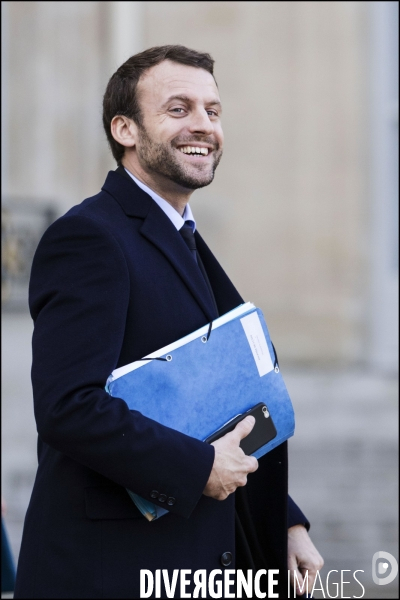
244	427
297	582
231	465
297	576
304	560
253	464
292	563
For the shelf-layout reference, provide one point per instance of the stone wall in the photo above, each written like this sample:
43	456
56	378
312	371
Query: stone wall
288	212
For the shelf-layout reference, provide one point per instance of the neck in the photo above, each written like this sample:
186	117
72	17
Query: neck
173	193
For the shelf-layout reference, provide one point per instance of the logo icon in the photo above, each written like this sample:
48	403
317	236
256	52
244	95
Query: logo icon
384	568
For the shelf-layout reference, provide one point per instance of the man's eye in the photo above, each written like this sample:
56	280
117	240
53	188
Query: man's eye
212	113
179	110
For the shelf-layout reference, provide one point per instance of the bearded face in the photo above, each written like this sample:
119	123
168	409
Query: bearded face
188	161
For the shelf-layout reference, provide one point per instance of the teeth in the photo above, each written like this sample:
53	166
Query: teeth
194	150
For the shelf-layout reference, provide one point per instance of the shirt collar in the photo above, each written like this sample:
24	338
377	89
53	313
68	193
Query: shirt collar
169	210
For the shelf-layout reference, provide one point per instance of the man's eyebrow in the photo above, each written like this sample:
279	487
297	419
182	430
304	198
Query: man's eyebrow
188	100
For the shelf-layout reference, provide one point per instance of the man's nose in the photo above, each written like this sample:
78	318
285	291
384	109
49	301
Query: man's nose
200	122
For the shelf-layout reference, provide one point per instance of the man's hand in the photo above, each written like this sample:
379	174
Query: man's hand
302	556
231	465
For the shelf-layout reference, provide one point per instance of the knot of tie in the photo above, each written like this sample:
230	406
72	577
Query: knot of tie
186	232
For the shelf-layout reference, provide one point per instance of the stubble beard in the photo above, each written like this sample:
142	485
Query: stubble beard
161	159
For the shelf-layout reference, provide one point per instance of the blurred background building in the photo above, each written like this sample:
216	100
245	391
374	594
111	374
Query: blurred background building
309	181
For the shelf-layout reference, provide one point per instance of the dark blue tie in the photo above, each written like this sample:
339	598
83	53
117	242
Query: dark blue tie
187	233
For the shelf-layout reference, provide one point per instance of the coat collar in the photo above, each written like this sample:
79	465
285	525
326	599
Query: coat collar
133	200
159	230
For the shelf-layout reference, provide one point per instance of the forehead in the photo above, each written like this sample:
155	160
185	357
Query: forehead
169	78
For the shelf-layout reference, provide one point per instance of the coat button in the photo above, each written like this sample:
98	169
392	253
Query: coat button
154	494
171	501
162	498
226	559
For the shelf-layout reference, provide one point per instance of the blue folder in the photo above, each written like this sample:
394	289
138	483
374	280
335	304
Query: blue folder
209	377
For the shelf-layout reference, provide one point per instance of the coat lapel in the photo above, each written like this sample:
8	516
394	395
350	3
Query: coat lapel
159	230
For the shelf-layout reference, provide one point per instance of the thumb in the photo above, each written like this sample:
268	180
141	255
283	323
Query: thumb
244	427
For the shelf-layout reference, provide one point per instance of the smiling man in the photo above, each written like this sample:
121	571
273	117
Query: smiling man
119	276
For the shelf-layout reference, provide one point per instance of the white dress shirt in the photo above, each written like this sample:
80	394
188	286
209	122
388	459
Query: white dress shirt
169	210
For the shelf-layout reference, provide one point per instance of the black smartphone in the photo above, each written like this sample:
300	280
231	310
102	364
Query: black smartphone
263	431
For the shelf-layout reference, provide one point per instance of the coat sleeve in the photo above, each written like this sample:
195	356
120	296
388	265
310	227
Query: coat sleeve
295	516
78	296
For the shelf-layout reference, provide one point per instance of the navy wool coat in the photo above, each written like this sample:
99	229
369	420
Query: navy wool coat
113	280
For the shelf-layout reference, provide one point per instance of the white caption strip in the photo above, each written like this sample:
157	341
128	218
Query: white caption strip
258	344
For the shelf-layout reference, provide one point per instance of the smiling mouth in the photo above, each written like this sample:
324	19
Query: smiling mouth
194	150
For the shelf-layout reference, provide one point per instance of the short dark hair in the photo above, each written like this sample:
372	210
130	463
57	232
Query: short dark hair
121	97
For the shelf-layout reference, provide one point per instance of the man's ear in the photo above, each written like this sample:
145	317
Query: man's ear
124	131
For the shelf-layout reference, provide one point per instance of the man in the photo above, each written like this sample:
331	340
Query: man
114	279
